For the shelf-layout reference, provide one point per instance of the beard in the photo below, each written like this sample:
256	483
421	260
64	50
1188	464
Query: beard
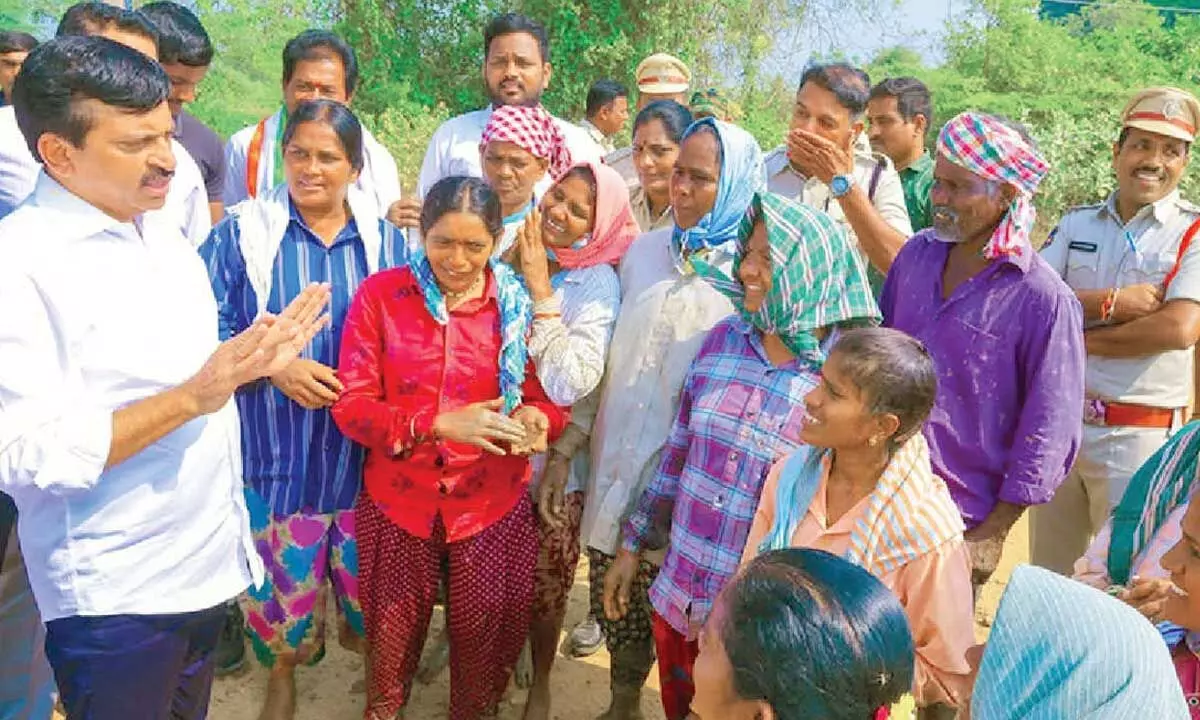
945	225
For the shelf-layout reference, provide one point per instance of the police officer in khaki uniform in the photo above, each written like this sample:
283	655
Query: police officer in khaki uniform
659	77
828	165
1140	291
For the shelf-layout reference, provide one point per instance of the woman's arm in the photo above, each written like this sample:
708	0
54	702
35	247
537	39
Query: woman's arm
361	412
570	356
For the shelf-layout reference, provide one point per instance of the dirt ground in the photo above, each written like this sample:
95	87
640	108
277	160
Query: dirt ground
580	686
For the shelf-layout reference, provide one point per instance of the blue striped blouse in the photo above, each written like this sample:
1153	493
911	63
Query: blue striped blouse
296	459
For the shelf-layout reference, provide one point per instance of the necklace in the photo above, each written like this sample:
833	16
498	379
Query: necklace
463	293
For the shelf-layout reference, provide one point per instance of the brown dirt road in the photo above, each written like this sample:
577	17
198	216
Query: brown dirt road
580	686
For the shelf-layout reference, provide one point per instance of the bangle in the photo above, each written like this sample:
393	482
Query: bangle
1109	305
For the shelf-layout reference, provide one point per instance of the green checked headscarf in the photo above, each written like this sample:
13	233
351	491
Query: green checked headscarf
817	278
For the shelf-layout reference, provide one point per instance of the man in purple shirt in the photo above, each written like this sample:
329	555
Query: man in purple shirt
1005	333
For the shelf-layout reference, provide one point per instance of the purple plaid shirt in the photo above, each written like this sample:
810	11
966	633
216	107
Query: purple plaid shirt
738	415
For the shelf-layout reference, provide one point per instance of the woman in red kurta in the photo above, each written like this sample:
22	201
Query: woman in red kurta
440	391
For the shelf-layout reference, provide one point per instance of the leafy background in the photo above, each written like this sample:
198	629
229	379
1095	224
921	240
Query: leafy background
1064	70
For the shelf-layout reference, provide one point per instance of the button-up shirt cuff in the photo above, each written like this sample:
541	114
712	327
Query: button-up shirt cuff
70	454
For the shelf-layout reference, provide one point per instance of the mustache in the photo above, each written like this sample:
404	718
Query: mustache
156	174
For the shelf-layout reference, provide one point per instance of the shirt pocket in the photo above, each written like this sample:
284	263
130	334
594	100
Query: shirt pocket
1083	269
1153	267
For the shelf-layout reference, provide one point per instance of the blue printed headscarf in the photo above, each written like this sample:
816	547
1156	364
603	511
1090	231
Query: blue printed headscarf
1061	649
742	175
516	314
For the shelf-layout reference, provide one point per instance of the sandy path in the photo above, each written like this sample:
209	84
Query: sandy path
580	686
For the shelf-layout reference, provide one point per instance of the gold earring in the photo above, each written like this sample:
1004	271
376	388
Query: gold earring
873	441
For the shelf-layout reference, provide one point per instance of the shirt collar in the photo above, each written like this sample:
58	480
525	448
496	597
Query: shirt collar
1021	262
346	234
74	217
920	165
1164	210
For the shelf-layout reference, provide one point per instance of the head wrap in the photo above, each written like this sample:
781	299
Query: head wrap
994	151
614	228
1160	486
516	315
742	175
1062	649
532	129
817	278
909	513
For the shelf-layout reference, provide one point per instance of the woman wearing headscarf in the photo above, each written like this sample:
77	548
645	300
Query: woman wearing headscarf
567	252
862	487
519	147
440	390
667	311
1060	649
802	634
302	474
1126	558
797	278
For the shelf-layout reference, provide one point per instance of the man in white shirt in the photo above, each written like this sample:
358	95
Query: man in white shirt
316	65
516	71
607	113
826	163
118	439
186	201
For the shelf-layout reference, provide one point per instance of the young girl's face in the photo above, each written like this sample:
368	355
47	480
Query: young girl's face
568	211
459	246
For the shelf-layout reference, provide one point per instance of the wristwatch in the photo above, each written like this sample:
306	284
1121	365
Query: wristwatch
841	184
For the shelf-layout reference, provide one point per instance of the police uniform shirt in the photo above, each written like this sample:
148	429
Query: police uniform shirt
1091	249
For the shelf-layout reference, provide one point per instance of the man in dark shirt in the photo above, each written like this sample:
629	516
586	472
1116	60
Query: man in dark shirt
186	52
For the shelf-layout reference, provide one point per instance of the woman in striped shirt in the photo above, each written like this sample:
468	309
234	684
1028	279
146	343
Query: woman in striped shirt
797	277
302	474
862	487
566	252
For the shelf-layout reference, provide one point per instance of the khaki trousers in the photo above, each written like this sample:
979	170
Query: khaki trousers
1061	530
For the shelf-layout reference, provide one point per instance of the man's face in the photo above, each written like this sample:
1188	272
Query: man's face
645	98
124	164
322	78
10	65
612	117
185	79
818	111
515	71
966	207
1148	166
890	133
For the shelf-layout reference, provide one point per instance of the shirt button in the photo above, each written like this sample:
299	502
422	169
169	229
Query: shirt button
443	489
718	502
733	456
440	461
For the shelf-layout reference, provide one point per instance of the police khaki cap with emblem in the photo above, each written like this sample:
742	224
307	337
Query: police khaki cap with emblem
662	74
1164	111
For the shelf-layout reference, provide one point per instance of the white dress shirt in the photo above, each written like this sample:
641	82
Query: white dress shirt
664	318
379	179
187	198
112	313
454	150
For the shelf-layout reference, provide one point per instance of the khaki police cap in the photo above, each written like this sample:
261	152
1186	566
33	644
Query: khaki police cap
662	74
1164	110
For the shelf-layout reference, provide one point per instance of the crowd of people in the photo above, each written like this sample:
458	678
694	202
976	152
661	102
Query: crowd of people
789	404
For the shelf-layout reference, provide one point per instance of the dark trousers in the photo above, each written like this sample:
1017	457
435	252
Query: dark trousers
148	667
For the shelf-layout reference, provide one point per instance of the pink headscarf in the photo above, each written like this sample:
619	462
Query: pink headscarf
615	228
992	150
532	129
